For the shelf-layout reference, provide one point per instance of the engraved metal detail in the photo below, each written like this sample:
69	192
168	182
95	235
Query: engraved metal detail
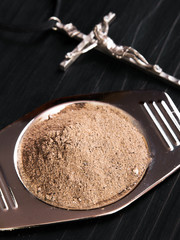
165	121
177	142
3	202
7	198
164	104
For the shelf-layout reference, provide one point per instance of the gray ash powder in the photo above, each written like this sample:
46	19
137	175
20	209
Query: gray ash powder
84	157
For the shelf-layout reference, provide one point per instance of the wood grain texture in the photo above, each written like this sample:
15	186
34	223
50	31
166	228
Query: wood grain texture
29	77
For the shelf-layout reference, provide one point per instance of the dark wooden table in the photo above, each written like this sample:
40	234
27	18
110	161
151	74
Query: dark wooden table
30	76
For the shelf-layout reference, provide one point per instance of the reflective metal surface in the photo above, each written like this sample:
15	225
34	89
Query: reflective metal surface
20	209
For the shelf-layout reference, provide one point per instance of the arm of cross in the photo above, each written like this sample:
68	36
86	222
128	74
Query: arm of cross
88	41
84	46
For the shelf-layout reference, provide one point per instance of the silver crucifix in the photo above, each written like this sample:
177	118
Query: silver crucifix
98	38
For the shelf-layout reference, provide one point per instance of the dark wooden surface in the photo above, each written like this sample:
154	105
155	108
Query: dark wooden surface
29	77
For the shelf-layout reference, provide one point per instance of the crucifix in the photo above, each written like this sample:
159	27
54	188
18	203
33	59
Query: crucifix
98	38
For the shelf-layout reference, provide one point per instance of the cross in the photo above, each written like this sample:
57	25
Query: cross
98	38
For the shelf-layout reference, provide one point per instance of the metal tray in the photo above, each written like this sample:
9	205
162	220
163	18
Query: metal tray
160	121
